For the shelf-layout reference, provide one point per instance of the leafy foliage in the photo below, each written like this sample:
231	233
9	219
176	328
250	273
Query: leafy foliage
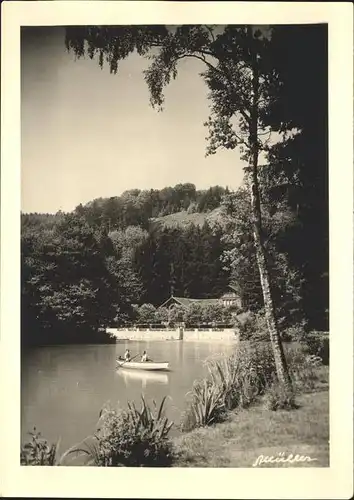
37	451
68	287
146	314
206	406
182	261
251	326
224	51
193	315
162	315
318	345
129	438
278	397
304	368
240	257
297	170
176	314
127	217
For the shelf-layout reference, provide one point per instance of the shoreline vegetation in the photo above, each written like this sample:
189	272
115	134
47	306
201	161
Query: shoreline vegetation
49	337
236	417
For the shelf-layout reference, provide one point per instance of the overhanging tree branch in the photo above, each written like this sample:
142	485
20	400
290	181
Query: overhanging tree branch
240	53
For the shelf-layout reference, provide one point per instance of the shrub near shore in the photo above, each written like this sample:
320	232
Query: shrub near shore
135	437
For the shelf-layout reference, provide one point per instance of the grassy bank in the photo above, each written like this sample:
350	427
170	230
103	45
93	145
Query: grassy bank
257	418
249	433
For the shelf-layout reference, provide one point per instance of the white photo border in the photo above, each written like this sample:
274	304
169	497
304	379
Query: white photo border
333	482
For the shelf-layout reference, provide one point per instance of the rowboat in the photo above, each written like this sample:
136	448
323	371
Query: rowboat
141	365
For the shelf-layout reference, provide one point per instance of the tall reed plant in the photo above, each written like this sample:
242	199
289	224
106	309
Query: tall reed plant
206	405
243	376
234	381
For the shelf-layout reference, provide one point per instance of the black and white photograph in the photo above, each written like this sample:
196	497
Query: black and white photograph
174	253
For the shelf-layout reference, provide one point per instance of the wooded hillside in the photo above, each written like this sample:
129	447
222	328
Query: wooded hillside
85	269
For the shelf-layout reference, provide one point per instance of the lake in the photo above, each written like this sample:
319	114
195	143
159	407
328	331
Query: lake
63	388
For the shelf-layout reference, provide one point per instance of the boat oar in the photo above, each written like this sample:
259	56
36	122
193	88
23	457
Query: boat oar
128	360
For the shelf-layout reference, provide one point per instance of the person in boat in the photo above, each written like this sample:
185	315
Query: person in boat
127	356
144	357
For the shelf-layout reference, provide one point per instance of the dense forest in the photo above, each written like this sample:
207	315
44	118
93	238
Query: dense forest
91	260
137	207
88	269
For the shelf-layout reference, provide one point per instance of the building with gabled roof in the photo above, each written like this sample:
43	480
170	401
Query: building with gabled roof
229	299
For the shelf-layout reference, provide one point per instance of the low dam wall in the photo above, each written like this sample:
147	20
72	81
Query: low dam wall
173	334
210	334
143	334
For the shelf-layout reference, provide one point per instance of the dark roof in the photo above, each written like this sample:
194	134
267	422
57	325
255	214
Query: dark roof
183	301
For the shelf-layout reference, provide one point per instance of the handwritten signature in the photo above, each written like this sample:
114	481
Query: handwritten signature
282	458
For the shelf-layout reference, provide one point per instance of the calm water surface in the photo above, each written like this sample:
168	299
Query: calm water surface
64	387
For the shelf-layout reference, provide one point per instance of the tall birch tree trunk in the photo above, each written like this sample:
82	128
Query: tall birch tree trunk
253	187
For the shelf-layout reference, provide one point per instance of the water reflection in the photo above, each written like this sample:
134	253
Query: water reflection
65	387
144	377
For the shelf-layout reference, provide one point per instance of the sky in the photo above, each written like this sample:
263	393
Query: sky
88	134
